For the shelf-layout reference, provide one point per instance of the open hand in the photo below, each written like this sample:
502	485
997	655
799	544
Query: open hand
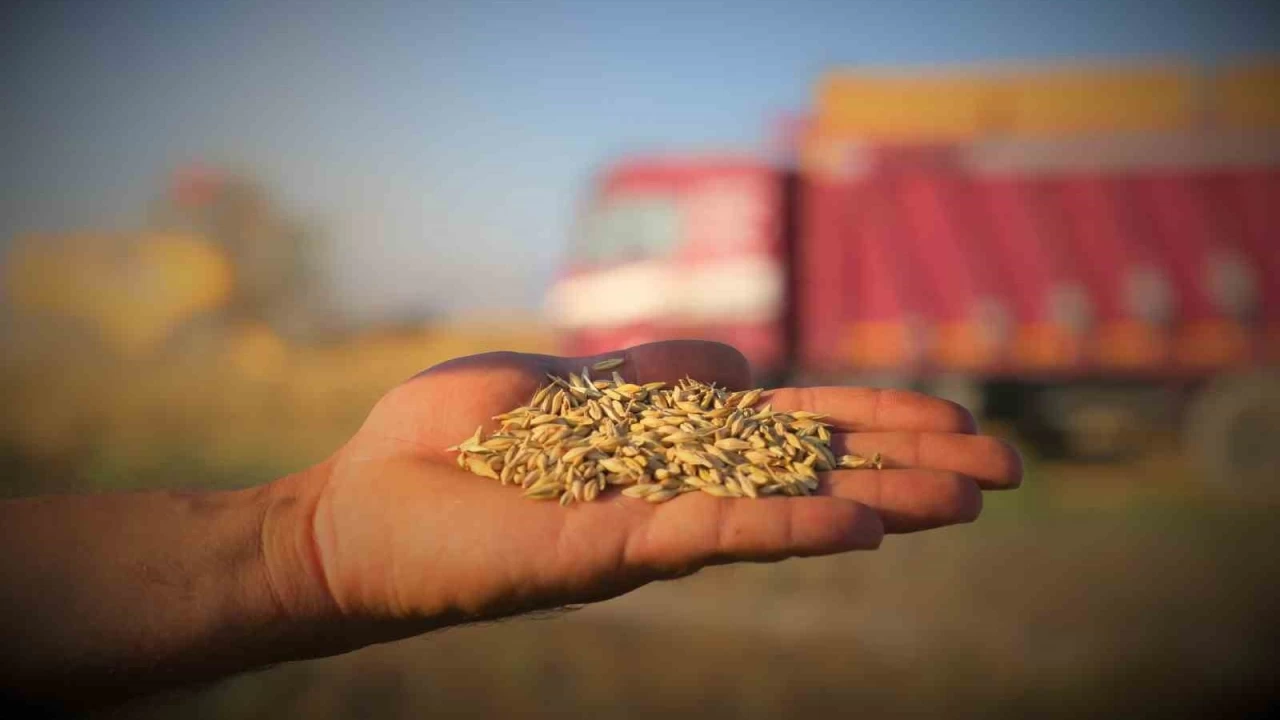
402	534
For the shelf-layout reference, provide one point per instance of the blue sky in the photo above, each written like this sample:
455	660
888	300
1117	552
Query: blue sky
443	145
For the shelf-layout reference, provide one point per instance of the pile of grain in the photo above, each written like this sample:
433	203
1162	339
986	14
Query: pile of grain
578	436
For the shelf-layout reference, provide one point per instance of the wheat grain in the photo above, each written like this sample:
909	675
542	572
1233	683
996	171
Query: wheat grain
609	364
579	435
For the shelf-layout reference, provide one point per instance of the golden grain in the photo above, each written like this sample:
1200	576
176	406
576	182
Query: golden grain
577	436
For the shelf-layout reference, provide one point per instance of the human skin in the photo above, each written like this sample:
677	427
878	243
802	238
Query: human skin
108	596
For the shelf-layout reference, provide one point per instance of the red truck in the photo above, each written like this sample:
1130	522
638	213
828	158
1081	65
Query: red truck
1090	288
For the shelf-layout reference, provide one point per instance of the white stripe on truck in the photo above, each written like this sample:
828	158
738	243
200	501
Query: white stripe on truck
740	290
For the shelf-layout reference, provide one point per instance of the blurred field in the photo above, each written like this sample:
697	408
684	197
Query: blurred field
238	410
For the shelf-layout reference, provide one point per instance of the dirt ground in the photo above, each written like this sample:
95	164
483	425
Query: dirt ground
1093	590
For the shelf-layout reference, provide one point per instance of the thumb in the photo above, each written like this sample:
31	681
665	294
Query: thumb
670	361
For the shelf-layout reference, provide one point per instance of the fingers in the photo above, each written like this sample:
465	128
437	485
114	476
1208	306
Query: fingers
989	461
909	500
937	477
872	409
698	530
672	360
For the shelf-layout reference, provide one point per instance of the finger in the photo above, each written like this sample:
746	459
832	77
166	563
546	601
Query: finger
697	530
670	361
872	409
991	462
908	500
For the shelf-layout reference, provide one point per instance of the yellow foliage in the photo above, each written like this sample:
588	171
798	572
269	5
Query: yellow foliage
132	291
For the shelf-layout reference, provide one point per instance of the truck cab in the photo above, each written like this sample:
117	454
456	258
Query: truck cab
678	247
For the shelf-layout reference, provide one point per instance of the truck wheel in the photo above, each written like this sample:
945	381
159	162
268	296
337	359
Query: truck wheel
1108	421
1232	430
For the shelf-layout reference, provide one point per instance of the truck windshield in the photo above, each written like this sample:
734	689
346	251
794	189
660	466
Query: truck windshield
627	229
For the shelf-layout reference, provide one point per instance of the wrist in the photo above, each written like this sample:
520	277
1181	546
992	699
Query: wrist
313	622
292	572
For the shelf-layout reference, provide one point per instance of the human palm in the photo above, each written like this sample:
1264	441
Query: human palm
402	533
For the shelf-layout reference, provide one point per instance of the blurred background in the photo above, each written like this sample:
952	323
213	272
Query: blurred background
228	228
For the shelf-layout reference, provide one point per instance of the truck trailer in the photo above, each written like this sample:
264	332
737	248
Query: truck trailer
1092	275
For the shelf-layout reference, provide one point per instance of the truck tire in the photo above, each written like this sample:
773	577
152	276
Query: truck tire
1232	431
1109	421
